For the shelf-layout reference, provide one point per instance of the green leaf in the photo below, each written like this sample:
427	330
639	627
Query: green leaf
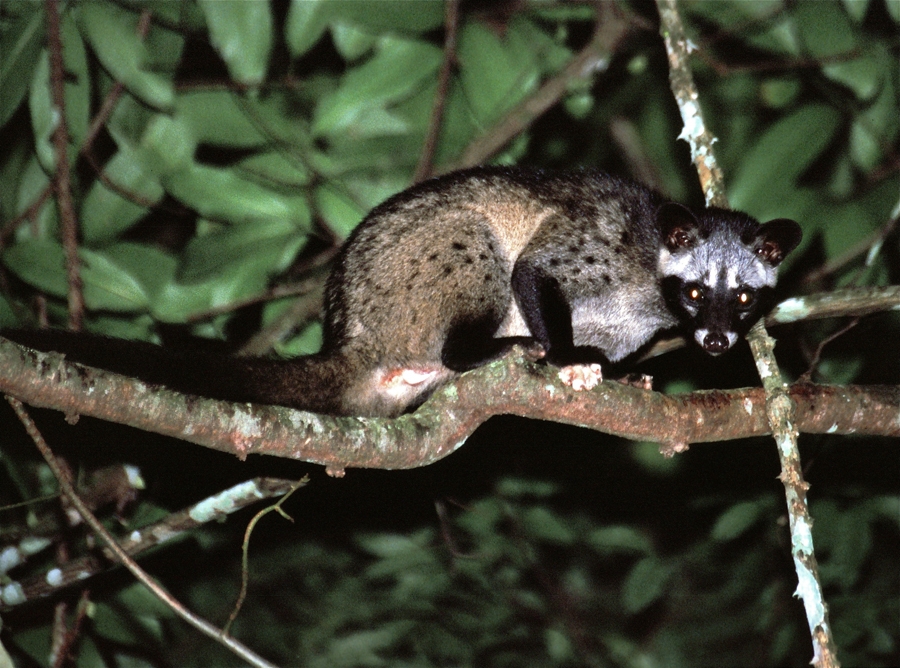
150	268
541	524
266	246
107	286
222	194
43	122
241	33
398	68
857	9
619	539
106	213
351	41
180	302
219	117
894	10
110	286
39	263
770	168
112	34
167	145
341	214
20	44
862	75
495	74
824	28
736	520
780	35
276	167
77	89
306	22
403	16
308	19
33	184
645	584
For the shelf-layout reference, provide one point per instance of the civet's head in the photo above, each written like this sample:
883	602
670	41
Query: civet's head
719	269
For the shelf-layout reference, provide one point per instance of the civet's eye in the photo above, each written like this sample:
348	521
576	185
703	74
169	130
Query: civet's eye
693	293
746	298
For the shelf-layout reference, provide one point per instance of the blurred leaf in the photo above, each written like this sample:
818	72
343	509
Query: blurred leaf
106	213
541	524
875	129
856	8
397	68
308	19
645	584
39	263
20	43
391	546
351	41
276	166
268	245
242	34
167	146
306	22
77	88
33	184
42	116
770	168
112	34
341	214
107	286
150	267
862	75
824	28
894	10
520	487
165	46
222	194
495	74
414	17
773	29
736	520
619	539
218	117
307	342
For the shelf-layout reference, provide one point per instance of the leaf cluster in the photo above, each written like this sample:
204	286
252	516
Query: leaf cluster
220	153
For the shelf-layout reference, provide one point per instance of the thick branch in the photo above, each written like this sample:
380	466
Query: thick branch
508	386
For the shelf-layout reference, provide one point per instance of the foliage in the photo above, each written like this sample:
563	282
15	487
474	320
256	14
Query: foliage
246	140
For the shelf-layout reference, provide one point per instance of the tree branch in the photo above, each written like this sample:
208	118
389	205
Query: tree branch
510	386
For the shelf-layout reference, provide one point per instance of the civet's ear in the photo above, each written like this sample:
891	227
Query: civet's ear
776	239
678	225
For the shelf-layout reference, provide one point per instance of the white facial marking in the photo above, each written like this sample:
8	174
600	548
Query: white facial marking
732	278
674	264
713	274
700	334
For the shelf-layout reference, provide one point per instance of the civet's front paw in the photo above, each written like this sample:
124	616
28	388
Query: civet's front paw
581	376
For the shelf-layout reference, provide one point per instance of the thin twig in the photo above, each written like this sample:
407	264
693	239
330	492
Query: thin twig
68	219
435	123
140	574
780	408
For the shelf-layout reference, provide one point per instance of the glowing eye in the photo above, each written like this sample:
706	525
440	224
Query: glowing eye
694	293
746	298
